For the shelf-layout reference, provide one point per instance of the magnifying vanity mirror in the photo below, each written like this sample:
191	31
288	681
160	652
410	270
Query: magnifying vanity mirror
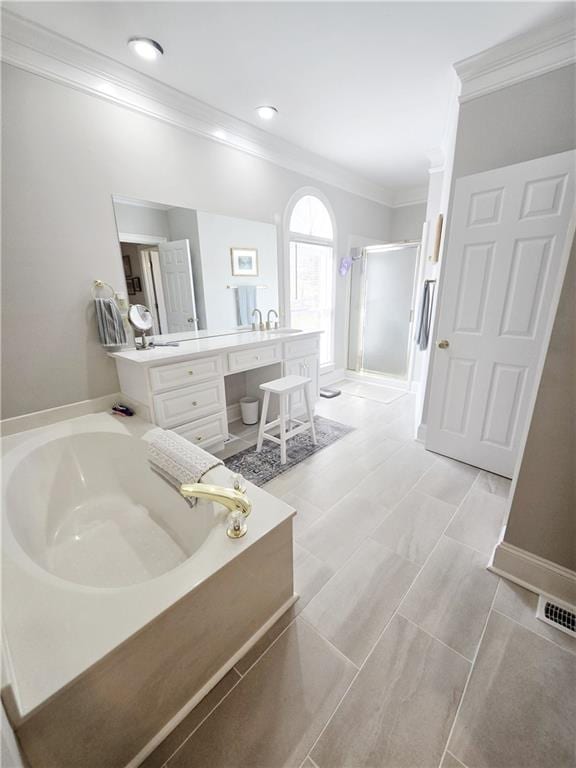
140	318
194	273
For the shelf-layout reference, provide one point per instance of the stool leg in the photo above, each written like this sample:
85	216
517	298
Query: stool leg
310	412
262	422
282	429
289	412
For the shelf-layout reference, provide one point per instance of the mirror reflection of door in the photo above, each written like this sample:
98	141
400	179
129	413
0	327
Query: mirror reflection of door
178	286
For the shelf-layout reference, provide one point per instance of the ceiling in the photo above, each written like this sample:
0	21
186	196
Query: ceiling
365	85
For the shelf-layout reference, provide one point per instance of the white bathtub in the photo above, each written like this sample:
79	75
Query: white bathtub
98	550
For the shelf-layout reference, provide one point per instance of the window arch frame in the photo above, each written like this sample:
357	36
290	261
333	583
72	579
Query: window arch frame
332	242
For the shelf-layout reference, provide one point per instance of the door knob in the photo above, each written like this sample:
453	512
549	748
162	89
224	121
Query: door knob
443	344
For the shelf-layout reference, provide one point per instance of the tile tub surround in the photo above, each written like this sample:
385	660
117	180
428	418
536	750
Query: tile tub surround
125	661
335	561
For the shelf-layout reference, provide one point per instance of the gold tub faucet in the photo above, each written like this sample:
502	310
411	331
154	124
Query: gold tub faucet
232	498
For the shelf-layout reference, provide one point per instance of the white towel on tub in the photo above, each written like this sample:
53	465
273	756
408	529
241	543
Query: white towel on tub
176	459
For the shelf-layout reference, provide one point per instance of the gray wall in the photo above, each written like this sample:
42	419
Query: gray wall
543	513
531	119
64	154
407	222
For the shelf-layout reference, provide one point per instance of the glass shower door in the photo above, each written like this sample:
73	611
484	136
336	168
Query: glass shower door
388	290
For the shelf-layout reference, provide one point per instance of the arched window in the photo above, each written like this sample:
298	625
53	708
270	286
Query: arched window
311	240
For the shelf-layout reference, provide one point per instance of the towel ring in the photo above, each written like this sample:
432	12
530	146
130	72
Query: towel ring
99	285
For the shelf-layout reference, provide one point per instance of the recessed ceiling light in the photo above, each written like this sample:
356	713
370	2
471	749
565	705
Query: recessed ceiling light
145	48
266	112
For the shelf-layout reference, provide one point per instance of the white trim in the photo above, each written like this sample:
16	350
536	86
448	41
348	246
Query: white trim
134	237
532	53
205	690
332	376
533	572
33	48
60	413
412	196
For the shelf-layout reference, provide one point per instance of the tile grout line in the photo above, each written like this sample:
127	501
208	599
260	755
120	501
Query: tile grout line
326	640
394	614
472	666
523	626
437	639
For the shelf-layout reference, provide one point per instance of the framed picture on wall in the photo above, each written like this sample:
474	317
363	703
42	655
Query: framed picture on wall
244	262
130	286
137	284
127	265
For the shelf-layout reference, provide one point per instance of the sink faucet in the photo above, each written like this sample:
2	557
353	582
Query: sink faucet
257	326
233	499
268	323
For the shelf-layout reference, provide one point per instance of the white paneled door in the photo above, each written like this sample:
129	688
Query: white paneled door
505	257
177	285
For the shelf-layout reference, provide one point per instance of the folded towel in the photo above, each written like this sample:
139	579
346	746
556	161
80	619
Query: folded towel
245	303
425	316
176	459
110	326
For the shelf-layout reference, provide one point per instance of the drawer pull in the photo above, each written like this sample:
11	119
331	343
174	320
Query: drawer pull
194	402
257	357
190	373
198	438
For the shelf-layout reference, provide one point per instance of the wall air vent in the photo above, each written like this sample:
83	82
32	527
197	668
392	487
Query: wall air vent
562	617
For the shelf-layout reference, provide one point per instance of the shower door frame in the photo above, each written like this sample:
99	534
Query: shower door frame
391	379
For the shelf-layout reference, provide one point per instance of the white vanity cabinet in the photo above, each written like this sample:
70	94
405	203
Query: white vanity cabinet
183	388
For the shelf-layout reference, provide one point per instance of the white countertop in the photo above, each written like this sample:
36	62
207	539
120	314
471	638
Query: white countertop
210	344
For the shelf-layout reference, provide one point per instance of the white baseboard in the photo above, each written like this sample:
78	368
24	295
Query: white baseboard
214	680
421	433
331	377
534	573
60	413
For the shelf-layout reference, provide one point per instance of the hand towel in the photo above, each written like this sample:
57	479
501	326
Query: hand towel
110	326
245	303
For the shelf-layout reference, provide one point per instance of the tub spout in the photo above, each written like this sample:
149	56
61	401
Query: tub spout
232	499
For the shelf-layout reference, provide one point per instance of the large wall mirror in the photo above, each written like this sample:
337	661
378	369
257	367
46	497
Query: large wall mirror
198	273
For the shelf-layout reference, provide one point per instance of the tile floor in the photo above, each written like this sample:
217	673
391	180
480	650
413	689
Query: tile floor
403	651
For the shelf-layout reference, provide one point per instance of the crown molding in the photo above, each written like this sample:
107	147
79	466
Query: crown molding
410	196
33	48
532	53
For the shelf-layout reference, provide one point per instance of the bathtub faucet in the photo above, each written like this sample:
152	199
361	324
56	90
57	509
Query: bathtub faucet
231	498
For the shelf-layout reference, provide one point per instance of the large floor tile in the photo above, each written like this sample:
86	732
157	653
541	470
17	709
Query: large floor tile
414	526
519	710
306	513
273	716
310	575
448	480
179	735
341	530
478	523
452	596
396	476
519	604
493	484
354	607
399	711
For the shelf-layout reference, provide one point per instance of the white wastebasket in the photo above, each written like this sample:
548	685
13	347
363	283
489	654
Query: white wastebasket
249	410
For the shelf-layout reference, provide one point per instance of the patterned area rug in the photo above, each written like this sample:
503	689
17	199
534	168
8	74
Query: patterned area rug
259	468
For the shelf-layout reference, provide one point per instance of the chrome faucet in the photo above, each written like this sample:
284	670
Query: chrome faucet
257	326
232	498
268	323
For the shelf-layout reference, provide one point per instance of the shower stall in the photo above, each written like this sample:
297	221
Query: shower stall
382	310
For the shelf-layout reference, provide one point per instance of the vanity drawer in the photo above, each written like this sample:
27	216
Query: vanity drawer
172	409
245	359
300	347
181	374
205	432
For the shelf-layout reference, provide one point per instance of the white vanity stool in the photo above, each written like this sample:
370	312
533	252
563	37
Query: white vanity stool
285	388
